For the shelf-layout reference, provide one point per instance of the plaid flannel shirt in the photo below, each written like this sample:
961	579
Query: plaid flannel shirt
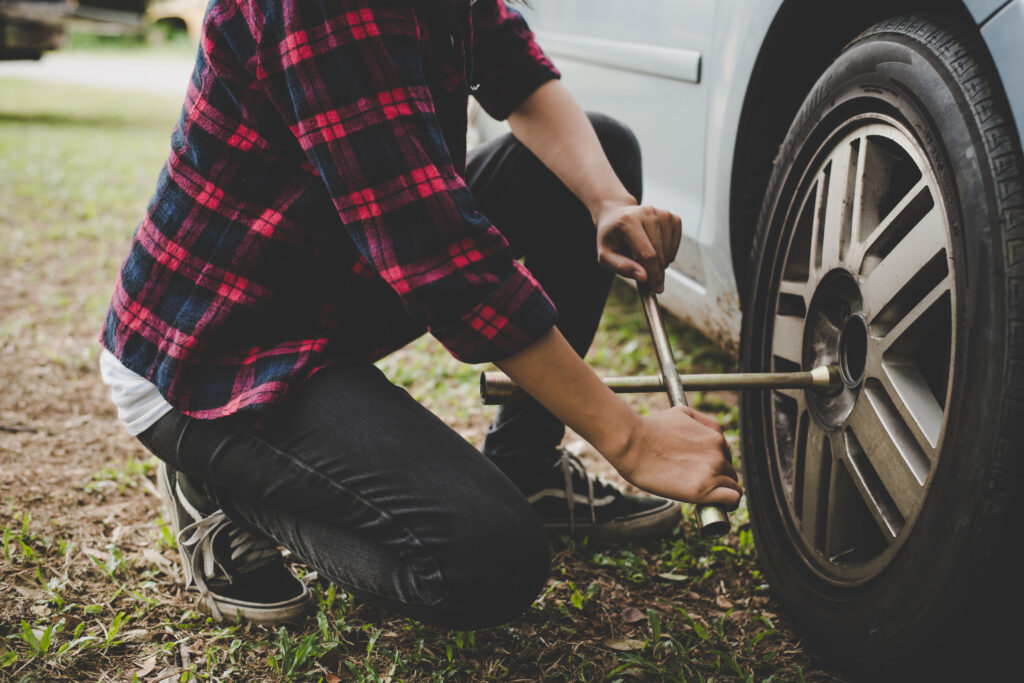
312	209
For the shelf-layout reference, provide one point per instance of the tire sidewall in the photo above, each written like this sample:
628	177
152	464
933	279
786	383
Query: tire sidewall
930	582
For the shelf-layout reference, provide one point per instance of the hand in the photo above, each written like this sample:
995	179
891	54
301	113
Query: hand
681	454
637	242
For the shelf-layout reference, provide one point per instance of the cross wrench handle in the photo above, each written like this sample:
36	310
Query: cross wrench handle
711	519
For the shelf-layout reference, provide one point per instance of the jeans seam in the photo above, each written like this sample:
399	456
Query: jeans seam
435	575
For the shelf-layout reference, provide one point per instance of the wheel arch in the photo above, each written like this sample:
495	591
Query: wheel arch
803	39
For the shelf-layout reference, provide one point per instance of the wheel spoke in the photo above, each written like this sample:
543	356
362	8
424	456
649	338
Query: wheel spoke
904	262
911	199
793	288
835	214
888	462
885	337
795	394
813	486
788	337
857	200
913	400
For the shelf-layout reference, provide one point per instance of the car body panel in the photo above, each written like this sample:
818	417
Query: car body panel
983	9
1003	34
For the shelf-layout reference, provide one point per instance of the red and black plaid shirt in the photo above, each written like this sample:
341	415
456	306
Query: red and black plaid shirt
312	209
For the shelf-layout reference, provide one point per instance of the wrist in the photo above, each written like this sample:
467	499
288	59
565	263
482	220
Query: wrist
617	439
606	203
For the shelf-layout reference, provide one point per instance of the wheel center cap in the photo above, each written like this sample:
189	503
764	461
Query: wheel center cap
836	333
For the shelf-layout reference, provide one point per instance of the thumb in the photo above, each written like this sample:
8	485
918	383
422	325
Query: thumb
623	265
729	498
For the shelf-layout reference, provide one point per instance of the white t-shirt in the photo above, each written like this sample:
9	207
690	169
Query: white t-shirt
139	403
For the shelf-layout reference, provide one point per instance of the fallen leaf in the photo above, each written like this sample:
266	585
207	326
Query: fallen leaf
669	576
693	595
137	635
624	644
151	557
723	602
632	615
146	667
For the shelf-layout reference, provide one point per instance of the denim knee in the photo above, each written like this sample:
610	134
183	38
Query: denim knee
507	569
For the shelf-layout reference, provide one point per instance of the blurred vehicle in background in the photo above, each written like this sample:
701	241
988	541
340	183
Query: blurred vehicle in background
851	185
164	17
30	27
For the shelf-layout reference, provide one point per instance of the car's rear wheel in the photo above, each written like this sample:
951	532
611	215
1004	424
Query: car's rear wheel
886	245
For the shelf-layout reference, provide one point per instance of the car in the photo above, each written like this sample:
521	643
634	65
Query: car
30	27
849	177
177	15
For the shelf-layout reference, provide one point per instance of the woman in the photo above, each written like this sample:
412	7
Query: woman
317	211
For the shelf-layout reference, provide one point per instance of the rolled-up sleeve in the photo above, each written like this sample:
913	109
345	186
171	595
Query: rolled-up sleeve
348	79
508	63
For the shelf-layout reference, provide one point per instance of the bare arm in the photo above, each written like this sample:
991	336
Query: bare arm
558	132
679	453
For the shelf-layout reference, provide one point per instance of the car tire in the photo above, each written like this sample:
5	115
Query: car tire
891	242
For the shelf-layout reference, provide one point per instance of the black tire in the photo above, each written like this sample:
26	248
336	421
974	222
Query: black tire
935	589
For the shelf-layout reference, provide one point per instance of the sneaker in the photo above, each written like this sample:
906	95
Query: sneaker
238	574
580	504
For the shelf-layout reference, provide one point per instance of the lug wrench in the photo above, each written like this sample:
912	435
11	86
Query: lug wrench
712	521
497	388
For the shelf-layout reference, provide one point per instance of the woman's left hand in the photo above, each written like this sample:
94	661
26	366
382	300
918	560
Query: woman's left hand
637	242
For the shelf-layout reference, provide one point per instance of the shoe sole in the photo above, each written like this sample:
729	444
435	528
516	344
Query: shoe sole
648	524
225	609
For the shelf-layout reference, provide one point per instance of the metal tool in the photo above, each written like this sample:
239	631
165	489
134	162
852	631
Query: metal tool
497	388
712	521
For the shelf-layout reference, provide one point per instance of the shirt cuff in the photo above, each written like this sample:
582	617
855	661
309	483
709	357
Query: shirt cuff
517	314
517	81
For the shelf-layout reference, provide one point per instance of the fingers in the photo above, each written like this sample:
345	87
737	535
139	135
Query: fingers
667	228
726	496
647	251
640	243
707	420
621	265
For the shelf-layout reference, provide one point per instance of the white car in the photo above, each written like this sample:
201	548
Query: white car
849	176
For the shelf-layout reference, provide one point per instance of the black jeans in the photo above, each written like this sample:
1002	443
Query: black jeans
374	491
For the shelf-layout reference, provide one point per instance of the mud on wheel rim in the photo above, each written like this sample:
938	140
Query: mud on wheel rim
864	279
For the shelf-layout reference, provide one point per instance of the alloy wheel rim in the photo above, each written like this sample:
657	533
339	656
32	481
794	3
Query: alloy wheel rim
865	281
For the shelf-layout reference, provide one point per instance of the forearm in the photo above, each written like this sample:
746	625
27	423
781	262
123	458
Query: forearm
552	126
551	371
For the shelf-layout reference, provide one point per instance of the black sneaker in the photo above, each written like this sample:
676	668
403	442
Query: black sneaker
235	572
578	503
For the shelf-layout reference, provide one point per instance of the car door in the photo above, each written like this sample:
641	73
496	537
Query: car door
641	63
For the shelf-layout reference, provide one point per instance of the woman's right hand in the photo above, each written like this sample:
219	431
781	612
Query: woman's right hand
680	454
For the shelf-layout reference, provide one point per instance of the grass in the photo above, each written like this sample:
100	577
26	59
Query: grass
89	566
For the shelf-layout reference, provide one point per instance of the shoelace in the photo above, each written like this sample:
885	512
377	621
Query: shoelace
570	464
248	550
